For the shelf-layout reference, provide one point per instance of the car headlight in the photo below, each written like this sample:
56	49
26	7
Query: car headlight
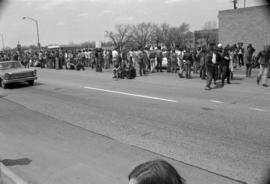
35	73
6	76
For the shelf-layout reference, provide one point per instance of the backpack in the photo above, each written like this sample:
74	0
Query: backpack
131	73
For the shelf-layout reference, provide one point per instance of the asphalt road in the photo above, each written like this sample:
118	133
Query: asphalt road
225	130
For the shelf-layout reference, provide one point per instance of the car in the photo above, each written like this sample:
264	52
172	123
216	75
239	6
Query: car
14	71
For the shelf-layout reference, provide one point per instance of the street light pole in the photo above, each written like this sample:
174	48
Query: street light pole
34	20
234	4
3	43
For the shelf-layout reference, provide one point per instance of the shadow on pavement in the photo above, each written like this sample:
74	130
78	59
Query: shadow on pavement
21	161
238	78
21	85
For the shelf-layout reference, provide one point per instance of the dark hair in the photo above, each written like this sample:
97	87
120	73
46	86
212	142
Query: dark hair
155	172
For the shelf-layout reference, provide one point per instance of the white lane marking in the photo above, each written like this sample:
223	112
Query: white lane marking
256	109
130	94
216	101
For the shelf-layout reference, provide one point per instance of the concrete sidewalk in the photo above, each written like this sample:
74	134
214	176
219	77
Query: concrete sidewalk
62	153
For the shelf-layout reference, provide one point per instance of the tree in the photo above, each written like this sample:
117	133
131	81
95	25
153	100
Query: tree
179	34
210	25
141	34
120	37
209	33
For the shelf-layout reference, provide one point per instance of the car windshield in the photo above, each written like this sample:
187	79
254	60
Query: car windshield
10	65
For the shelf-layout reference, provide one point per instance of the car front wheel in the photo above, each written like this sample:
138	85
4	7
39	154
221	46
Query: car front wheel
3	85
31	82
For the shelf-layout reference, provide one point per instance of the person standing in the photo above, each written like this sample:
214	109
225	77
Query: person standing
173	61
152	57
159	59
240	54
210	59
181	63
141	61
264	57
188	59
225	65
167	54
248	59
201	58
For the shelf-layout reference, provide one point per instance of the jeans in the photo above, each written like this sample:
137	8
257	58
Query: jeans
262	76
203	71
240	60
215	72
188	70
225	73
248	70
174	67
141	68
152	64
210	75
159	65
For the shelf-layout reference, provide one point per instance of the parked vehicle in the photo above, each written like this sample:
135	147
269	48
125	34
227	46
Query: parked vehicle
13	72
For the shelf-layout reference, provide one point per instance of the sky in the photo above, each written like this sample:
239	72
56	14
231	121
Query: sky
77	21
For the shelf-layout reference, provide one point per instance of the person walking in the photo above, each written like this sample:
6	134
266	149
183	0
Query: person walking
248	59
263	57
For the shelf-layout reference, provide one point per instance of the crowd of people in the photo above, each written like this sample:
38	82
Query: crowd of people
212	63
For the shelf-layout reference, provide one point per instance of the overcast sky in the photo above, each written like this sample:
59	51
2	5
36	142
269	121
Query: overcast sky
65	21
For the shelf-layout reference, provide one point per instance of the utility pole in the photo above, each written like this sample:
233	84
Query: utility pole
244	3
234	4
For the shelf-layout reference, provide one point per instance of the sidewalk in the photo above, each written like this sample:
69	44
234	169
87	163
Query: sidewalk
62	153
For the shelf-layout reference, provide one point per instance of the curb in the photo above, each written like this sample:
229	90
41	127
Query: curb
9	177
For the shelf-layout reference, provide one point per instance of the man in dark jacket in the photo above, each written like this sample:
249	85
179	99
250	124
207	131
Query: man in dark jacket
248	59
225	66
159	59
264	57
212	59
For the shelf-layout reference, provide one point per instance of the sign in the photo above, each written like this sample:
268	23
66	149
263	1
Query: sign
98	44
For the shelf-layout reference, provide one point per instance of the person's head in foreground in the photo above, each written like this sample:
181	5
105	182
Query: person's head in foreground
155	172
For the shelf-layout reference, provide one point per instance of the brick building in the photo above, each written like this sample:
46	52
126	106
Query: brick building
247	25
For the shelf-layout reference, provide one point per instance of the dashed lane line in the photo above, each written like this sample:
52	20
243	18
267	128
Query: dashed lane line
131	94
257	109
216	101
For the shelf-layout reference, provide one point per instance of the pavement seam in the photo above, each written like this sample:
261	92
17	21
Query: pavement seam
197	167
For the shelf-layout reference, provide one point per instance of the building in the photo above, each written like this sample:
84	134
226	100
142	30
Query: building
205	37
246	25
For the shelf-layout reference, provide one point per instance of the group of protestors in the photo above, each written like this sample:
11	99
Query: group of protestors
212	63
